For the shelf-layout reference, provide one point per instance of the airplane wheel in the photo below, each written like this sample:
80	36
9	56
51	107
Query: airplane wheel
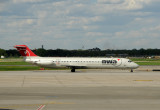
73	70
131	70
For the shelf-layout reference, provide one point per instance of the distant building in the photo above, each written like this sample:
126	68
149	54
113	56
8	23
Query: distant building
117	55
157	57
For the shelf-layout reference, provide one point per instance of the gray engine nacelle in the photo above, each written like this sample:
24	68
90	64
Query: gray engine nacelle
43	63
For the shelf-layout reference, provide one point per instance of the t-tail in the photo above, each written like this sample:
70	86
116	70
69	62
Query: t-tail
25	51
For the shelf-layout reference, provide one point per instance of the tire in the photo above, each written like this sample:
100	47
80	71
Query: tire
73	70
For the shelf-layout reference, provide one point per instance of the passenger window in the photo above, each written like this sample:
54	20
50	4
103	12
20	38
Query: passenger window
129	61
103	61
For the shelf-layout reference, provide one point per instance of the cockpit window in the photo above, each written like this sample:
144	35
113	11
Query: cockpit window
129	61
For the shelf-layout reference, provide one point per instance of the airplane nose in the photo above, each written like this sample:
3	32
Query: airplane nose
136	65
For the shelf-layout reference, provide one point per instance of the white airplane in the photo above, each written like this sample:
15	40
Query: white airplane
75	62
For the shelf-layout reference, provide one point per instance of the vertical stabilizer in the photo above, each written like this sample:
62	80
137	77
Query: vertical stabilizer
25	51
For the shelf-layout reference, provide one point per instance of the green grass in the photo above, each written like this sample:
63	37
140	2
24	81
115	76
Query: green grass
14	63
26	68
148	63
143	59
18	68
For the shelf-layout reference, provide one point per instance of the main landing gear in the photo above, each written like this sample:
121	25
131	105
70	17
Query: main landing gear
72	69
131	70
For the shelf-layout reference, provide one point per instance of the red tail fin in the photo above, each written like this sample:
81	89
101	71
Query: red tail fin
24	51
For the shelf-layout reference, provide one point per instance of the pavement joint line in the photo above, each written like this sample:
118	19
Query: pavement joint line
23	81
58	80
143	80
90	79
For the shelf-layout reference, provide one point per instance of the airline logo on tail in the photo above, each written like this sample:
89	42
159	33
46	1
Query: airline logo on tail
24	51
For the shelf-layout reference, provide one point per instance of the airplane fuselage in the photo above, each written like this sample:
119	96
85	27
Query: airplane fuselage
79	62
75	62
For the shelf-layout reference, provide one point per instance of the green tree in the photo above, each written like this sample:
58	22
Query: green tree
2	52
41	52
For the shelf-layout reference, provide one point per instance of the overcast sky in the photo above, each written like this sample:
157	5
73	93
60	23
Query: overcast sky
77	24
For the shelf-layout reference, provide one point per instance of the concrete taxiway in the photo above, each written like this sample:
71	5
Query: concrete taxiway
83	90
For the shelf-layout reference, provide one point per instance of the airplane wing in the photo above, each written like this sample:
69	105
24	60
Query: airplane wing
76	66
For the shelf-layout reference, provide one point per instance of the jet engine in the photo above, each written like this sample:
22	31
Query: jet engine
43	63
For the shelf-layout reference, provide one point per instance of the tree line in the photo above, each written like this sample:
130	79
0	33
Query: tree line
95	52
